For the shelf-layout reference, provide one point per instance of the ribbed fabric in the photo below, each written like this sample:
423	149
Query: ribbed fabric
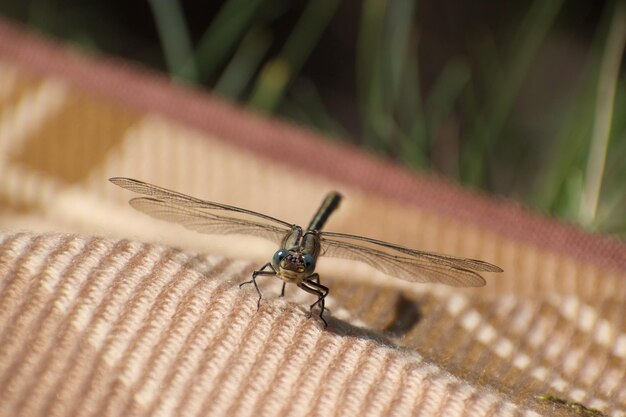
93	326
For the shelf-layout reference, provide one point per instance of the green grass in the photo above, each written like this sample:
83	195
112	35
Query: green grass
464	122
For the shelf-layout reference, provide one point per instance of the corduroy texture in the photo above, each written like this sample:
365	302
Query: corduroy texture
94	326
101	327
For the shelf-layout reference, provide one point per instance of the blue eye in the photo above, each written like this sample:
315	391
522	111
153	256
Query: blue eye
279	256
309	264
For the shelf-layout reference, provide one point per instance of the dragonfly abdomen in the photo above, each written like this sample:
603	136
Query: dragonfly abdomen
330	204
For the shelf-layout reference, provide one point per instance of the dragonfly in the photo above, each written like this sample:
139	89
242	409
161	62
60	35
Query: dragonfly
299	249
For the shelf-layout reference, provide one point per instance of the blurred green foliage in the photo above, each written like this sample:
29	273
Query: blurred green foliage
474	102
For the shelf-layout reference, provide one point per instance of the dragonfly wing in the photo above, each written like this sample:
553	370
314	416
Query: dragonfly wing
184	201
409	265
446	260
200	220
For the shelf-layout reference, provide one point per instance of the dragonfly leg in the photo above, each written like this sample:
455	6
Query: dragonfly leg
253	280
312	286
282	292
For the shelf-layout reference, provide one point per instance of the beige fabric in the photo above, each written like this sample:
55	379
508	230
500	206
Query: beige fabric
110	326
100	327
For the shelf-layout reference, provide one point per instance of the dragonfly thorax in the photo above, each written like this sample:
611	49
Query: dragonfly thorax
293	265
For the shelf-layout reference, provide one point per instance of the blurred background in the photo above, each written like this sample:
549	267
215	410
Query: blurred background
521	99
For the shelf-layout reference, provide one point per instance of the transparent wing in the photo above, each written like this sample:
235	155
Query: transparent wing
405	263
200	215
209	217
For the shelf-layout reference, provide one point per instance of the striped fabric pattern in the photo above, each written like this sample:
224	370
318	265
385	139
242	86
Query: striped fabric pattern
101	327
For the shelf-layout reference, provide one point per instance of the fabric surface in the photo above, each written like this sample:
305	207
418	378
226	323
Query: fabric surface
94	322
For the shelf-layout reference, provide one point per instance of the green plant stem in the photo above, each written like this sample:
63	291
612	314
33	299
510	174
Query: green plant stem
278	73
607	81
240	71
175	39
533	31
376	124
228	27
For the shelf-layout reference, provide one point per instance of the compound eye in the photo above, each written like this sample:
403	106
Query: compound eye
279	256
309	264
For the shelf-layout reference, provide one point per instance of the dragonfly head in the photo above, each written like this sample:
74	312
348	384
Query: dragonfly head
292	265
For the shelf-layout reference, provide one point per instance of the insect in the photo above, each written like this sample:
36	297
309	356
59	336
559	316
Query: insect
294	262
